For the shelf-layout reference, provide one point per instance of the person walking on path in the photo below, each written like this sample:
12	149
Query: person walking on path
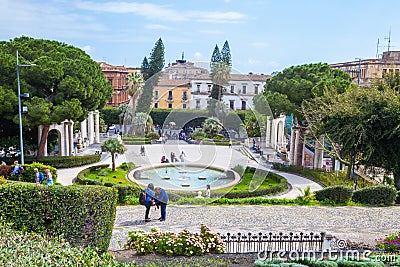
17	170
208	191
162	201
149	201
39	177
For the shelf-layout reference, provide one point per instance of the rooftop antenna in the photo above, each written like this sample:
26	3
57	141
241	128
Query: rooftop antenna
377	49
183	55
388	38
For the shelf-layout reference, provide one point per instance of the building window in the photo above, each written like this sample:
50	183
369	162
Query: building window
184	105
110	80
256	89
232	89
243	105
155	94
232	104
184	95
198	88
244	89
209	87
169	95
197	103
155	105
169	105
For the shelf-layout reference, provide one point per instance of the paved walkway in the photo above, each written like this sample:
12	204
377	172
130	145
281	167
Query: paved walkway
358	224
221	156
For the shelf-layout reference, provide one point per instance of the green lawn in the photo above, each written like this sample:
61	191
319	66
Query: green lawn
248	177
107	175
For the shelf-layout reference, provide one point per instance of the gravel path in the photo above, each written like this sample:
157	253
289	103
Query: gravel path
358	224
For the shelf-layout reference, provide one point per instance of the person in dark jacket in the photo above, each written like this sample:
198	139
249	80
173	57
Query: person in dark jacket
149	201
161	200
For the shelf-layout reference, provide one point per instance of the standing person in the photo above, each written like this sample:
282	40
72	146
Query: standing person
39	177
48	176
162	200
142	152
182	156
172	156
355	185
208	191
17	170
230	144
149	201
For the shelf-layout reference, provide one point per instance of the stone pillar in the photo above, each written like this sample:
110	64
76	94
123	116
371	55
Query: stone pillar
296	146
97	126
268	133
83	130
292	146
66	138
71	137
90	128
319	153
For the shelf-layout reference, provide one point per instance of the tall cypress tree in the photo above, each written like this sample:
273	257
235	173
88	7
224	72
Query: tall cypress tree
216	56
156	63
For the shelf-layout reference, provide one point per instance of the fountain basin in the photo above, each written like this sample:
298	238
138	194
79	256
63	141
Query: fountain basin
184	176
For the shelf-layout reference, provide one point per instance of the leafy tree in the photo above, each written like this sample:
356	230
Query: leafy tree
212	126
286	91
112	145
65	84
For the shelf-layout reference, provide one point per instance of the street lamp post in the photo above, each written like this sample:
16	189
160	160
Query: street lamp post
21	142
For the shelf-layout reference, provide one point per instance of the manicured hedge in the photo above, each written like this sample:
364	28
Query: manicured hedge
29	174
144	142
127	190
219	142
338	194
80	178
84	215
376	195
188	117
60	161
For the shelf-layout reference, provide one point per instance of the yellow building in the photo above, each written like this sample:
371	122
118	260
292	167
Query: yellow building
172	94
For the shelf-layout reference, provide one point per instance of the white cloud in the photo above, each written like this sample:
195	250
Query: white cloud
89	49
259	44
152	11
212	32
198	56
156	27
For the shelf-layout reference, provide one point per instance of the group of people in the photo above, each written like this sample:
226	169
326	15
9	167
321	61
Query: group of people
208	192
182	157
39	176
155	196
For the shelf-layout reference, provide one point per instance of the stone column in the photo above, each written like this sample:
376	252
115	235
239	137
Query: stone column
97	126
90	128
66	138
268	133
292	146
296	146
71	137
318	153
83	130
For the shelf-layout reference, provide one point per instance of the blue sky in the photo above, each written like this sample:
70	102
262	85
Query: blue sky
264	36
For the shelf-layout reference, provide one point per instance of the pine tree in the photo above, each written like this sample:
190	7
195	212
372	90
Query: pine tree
216	55
145	68
226	54
156	62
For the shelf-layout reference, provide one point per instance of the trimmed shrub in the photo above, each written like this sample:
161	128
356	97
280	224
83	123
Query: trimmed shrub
398	197
80	178
127	190
338	194
60	161
376	195
84	215
34	250
152	135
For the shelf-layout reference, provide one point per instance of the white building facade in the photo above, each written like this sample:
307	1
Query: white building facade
238	93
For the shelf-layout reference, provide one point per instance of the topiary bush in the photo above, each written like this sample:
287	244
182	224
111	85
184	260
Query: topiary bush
29	175
338	194
376	195
127	190
84	215
60	161
30	249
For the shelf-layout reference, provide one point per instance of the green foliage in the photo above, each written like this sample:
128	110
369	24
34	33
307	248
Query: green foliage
84	215
30	249
239	169
125	191
315	263
212	126
224	142
226	54
338	194
198	135
188	117
5	170
168	243
351	263
113	146
110	115
376	195
66	161
2	180
156	60
29	174
152	136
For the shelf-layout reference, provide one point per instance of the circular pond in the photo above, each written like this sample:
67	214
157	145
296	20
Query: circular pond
181	176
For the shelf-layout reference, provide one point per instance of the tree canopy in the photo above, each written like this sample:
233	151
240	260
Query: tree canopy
65	83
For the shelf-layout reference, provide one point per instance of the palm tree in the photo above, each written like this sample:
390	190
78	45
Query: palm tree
220	76
212	126
113	146
124	111
135	84
143	123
